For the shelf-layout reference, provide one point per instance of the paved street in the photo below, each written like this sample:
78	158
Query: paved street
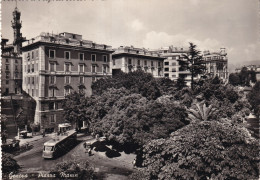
107	168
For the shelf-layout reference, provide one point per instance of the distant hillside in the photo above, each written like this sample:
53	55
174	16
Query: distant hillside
232	67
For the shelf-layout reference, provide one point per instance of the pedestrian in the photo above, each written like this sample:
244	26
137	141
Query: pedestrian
89	152
134	162
84	145
43	133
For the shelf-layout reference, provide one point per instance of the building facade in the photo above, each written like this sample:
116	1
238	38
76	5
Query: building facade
56	65
173	68
216	63
11	71
129	58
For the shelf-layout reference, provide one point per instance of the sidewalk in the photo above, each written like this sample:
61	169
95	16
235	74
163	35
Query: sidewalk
31	138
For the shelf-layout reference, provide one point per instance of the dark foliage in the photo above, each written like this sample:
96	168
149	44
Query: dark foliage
136	82
205	150
83	169
9	164
242	78
193	62
254	98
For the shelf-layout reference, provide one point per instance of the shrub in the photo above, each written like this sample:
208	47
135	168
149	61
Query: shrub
83	170
9	164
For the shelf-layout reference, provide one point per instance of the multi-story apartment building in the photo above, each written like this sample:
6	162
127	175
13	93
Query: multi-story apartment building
11	71
129	59
173	68
56	65
216	63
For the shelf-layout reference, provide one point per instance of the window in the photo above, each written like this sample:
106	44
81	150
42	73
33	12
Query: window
104	69
52	54
166	63
166	69
28	56
159	64
32	92
52	92
114	62
93	68
174	64
16	75
81	68
93	57
145	63
29	69
37	53
16	61
52	69
32	67
67	79
29	81
129	61
66	91
7	90
166	75
105	58
52	120
151	63
7	67
173	69
165	51
81	79
67	55
6	82
7	75
67	67
32	54
81	56
138	62
32	80
94	79
16	67
52	79
7	60
51	106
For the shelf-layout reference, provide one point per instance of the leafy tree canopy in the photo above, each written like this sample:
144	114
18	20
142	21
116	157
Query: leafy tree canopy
205	150
136	82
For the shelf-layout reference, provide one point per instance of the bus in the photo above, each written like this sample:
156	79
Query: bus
60	143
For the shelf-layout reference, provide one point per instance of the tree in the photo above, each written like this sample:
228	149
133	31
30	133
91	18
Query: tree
180	83
254	98
201	112
193	62
81	169
204	150
9	165
132	120
74	109
136	82
234	79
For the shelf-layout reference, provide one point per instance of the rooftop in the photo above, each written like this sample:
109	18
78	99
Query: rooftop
135	51
66	38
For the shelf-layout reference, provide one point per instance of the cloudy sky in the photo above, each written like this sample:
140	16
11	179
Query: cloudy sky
211	24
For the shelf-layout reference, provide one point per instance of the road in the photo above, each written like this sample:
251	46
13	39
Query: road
106	168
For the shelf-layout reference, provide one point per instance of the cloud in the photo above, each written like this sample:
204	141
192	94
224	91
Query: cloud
155	39
137	25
